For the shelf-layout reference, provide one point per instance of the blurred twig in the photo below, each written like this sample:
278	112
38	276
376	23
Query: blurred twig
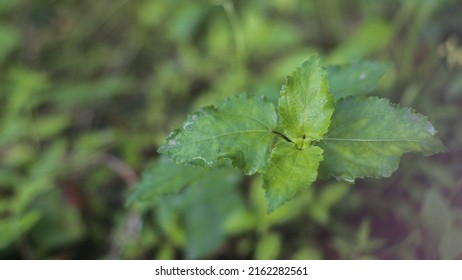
120	168
457	189
237	30
132	223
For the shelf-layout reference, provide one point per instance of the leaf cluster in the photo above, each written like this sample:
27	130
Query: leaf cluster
311	131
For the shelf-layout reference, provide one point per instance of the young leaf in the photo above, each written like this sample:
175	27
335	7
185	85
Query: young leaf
355	79
288	171
305	104
241	129
368	136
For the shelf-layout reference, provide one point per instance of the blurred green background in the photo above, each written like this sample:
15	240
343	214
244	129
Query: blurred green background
90	89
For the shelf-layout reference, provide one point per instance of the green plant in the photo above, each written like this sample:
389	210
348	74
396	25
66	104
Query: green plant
340	133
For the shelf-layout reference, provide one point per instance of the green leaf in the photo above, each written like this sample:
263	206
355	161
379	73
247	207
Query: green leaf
305	104
241	129
203	209
450	246
12	229
163	178
9	40
211	202
370	37
268	247
60	226
288	171
355	79
435	215
368	136
327	197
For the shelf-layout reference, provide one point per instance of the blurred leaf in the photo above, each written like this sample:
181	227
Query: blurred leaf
240	221
166	252
284	214
24	90
9	40
450	245
363	235
434	214
268	247
287	63
19	154
163	178
291	210
90	145
220	40
332	193
15	228
264	36
307	253
61	224
74	94
329	195
94	140
49	126
454	92
210	202
152	13
168	217
8	5
205	207
345	248
12	130
355	79
185	22
368	38
441	175
51	160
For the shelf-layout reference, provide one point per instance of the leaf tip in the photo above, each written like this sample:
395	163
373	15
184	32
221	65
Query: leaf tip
272	203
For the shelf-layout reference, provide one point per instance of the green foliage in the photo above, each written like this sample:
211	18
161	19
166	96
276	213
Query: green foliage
370	37
89	90
241	129
165	177
268	247
355	79
9	39
199	201
365	139
305	105
435	215
368	136
288	171
450	245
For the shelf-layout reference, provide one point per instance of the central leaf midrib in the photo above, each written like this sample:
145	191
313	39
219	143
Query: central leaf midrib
293	166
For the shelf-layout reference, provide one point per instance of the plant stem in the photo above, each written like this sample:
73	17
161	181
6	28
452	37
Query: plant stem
283	136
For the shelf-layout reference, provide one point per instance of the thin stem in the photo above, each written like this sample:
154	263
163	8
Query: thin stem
236	28
282	135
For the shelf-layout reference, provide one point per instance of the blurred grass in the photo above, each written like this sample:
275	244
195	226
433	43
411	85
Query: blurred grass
90	89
